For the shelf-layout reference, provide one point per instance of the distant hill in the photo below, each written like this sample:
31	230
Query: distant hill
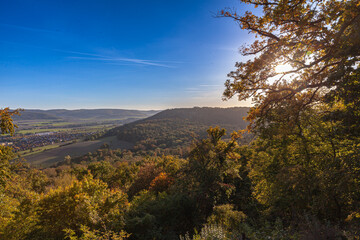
83	114
174	129
35	115
206	115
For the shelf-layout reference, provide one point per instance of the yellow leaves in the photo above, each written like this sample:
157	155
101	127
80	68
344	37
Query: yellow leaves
83	202
238	134
6	122
353	216
79	197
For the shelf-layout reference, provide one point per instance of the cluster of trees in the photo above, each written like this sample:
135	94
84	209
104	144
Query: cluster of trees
165	136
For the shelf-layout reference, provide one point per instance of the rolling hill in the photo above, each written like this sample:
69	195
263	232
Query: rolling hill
206	115
174	129
83	114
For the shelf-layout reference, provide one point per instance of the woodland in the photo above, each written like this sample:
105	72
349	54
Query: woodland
297	178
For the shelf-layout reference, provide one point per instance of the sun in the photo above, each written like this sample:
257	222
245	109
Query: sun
282	68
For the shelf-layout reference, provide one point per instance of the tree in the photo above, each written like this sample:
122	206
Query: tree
6	126
86	204
319	40
6	122
306	116
212	170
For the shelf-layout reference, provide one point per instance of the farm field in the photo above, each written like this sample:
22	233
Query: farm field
49	157
33	127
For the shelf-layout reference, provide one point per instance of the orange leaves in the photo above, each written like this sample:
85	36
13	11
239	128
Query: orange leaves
161	183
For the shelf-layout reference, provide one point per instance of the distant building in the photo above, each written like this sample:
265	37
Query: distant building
6	144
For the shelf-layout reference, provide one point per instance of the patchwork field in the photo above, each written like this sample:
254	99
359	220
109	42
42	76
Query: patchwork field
33	127
44	137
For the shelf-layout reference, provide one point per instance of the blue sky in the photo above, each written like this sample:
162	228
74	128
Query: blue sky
117	54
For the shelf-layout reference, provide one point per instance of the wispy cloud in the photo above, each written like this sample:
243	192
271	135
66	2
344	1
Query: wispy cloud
131	60
112	60
104	58
32	29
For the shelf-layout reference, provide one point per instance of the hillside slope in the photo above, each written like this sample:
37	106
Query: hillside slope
174	129
206	115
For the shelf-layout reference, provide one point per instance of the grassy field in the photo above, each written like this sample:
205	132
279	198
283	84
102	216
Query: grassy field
33	131
33	126
50	156
65	129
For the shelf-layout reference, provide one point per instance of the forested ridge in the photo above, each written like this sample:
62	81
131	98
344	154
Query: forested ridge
173	130
299	177
206	115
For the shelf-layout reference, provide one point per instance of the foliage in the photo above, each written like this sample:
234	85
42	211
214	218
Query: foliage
162	216
208	232
211	171
6	123
87	202
305	157
87	234
318	39
161	183
227	217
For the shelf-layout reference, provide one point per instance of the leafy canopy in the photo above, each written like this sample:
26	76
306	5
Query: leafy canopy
319	40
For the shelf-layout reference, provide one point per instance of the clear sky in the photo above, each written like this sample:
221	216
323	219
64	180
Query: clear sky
134	54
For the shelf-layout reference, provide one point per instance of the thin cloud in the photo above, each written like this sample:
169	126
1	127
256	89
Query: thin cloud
107	59
96	57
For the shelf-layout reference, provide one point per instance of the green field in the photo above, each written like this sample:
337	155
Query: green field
33	131
33	126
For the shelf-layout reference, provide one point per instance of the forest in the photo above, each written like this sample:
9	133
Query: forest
297	178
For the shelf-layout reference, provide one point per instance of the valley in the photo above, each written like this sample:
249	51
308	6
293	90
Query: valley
46	142
44	137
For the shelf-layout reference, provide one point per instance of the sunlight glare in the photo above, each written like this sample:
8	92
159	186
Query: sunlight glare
282	68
